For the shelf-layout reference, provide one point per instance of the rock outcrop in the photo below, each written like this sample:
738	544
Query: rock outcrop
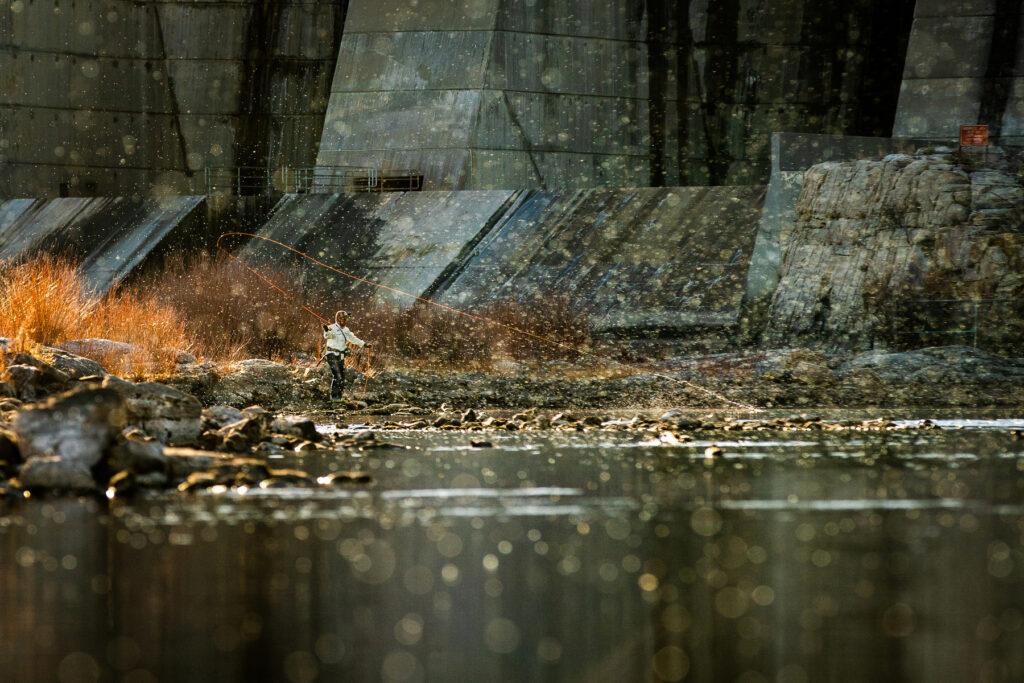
886	253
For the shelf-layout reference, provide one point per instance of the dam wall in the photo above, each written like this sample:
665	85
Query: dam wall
572	94
122	98
965	65
633	259
109	237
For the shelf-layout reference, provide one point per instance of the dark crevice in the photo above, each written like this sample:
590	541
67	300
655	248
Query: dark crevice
720	81
252	146
1002	58
659	45
882	71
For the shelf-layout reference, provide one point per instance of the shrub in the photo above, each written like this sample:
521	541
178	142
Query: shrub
232	310
44	301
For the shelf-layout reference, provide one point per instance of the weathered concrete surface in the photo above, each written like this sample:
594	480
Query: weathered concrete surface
400	240
108	236
883	251
110	99
645	258
965	64
641	258
481	94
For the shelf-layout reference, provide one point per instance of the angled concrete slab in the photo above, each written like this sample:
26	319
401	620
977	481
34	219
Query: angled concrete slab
108	236
403	241
654	258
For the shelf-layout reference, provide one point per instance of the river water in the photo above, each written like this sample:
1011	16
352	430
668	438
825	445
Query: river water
793	557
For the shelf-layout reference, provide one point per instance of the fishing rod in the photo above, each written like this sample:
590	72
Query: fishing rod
450	309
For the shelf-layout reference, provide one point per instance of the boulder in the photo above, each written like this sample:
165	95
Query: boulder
75	367
98	347
34	379
219	416
168	414
801	366
48	473
185	358
78	427
254	381
138	454
301	427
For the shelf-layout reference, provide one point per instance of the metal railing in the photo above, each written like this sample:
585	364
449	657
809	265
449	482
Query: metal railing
254	180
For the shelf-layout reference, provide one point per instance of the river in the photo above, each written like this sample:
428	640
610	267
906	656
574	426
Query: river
593	557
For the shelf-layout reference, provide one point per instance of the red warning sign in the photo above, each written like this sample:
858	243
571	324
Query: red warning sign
973	136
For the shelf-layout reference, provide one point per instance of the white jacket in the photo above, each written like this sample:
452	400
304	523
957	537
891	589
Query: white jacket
338	338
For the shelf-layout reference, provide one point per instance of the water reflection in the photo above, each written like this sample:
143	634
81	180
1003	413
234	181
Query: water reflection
794	557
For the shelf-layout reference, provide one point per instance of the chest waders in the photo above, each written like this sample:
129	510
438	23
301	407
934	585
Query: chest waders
336	362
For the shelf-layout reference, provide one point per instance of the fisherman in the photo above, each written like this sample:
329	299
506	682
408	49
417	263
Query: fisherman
339	340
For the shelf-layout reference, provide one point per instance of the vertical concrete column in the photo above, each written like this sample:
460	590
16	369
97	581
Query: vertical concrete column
965	64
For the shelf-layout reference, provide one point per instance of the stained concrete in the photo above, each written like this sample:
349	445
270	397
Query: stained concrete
109	237
965	65
665	258
402	240
559	94
101	98
654	258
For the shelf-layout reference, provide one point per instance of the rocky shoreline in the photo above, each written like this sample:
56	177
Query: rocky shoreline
66	425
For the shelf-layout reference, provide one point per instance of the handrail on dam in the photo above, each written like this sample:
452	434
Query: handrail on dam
259	180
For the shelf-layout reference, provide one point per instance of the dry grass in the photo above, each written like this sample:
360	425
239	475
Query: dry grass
432	336
44	302
221	310
231	312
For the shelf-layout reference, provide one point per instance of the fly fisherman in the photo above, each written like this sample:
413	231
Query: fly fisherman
339	340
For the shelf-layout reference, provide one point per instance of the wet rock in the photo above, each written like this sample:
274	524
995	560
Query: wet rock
49	473
286	479
7	390
345	478
713	451
301	427
198	481
185	461
77	427
163	412
479	443
471	416
244	434
138	454
216	417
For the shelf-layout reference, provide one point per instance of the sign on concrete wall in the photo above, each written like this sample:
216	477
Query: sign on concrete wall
973	136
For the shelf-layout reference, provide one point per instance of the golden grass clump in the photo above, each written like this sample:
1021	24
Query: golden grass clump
45	302
231	311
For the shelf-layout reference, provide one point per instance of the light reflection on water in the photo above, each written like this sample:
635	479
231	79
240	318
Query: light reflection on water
795	557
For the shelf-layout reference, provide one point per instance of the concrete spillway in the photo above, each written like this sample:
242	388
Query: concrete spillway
109	237
637	258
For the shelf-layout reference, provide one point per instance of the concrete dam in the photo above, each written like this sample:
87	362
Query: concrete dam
645	158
